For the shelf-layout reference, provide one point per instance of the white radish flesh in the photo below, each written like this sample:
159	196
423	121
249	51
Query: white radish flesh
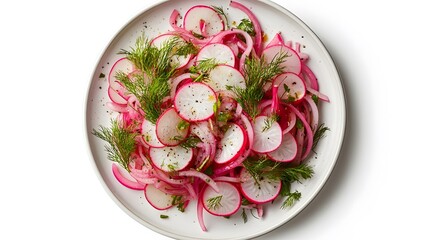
194	101
292	62
114	93
171	129
221	53
268	134
224	76
291	87
262	191
157	198
226	202
231	145
171	159
115	88
287	150
200	14
176	60
148	130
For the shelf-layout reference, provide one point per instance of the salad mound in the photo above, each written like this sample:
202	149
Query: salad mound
210	112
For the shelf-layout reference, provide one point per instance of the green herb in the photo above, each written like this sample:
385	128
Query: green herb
247	26
299	124
221	12
291	199
319	134
257	72
163	216
121	142
244	215
224	117
315	99
269	122
190	142
102	75
179	201
185	48
214	202
182	125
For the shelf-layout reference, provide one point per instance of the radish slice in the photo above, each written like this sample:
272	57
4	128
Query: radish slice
157	198
231	145
125	181
292	62
291	87
194	101
226	202
176	60
268	135
171	159
221	53
149	134
115	88
261	191
171	129
223	76
206	15
287	150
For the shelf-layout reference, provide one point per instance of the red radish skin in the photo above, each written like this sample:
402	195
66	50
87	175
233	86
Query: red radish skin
171	129
125	181
213	22
230	199
268	135
231	145
287	150
194	101
292	87
171	159
263	191
157	198
221	53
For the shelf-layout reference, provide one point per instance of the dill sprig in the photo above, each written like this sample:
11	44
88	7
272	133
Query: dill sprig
190	142
319	134
214	202
121	142
203	68
257	72
221	12
291	199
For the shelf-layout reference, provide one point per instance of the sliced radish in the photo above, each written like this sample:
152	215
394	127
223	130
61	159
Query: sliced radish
231	145
176	60
221	53
171	159
157	198
125	181
149	134
292	62
122	65
224	76
226	202
115	93
260	191
171	129
291	87
268	134
287	150
201	17
194	101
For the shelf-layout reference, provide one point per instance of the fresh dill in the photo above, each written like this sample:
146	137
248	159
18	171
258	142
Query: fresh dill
291	199
268	122
244	215
319	134
214	202
178	201
257	72
203	68
247	26
190	142
121	142
221	12
162	216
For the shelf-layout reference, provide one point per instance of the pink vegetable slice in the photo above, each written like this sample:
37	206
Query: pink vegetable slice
261	191
268	134
194	101
171	129
202	17
125	181
226	202
221	53
292	62
286	151
148	130
291	87
170	159
157	198
116	90
231	145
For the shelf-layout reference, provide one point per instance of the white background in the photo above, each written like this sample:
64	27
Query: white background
49	190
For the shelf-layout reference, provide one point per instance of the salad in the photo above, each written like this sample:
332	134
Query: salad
213	111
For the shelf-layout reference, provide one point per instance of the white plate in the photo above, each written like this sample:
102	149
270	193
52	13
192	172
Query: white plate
273	18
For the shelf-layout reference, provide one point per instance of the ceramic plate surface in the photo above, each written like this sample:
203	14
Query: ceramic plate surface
273	18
